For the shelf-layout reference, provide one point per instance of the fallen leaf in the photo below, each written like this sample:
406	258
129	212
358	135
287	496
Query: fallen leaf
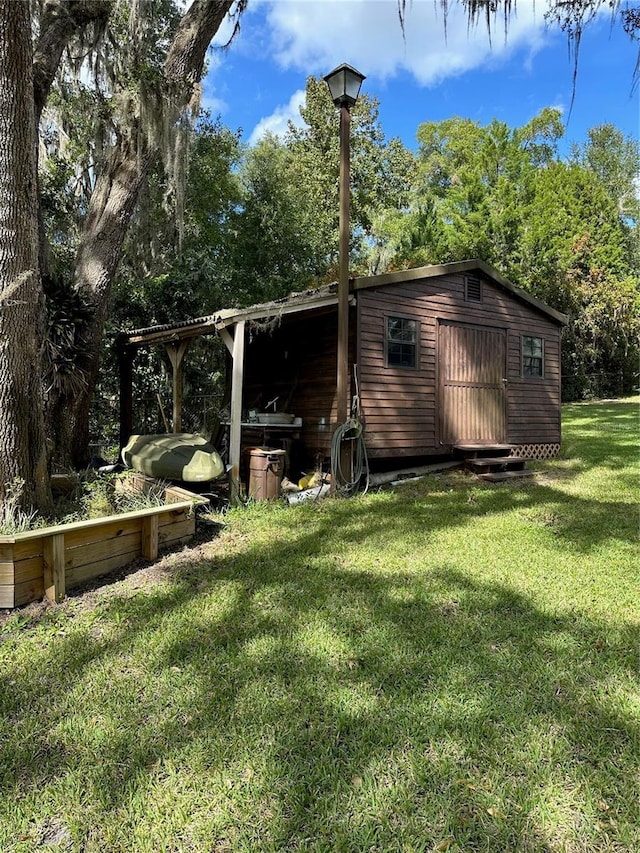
445	844
496	813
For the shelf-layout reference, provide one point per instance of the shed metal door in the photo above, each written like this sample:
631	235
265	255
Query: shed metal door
472	395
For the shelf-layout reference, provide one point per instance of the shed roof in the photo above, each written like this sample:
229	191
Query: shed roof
435	270
326	295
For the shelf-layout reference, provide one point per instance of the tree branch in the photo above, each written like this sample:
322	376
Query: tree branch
60	20
185	61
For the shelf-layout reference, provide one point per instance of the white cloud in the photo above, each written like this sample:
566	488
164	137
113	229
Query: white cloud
215	106
313	36
316	35
277	122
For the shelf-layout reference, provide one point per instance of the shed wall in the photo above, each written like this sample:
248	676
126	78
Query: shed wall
401	404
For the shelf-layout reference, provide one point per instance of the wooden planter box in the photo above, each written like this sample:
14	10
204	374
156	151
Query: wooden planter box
51	560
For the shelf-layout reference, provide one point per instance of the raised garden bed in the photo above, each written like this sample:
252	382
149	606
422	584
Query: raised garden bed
50	560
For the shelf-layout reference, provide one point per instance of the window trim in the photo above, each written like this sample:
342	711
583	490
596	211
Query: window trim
533	376
416	344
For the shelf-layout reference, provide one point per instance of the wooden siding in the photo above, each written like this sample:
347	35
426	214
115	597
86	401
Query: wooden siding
401	405
398	403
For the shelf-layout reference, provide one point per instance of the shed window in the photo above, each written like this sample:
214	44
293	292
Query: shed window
402	342
472	289
532	356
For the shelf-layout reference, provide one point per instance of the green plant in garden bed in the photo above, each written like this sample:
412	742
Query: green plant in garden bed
447	666
13	519
109	494
96	495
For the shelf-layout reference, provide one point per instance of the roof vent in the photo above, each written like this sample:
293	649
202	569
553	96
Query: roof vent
472	289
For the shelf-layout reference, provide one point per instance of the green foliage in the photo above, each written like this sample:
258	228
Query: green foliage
278	245
481	180
165	276
169	273
565	231
575	255
109	494
68	317
615	160
381	172
95	495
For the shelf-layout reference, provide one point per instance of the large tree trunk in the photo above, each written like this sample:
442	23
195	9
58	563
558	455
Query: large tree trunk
110	210
23	458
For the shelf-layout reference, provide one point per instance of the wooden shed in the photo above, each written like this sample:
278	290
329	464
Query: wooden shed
441	356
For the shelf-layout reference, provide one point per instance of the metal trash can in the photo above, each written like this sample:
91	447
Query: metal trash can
266	467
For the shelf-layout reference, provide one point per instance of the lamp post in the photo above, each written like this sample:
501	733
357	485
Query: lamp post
344	84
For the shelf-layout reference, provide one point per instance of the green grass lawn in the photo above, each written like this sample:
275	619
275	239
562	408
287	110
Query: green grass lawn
451	665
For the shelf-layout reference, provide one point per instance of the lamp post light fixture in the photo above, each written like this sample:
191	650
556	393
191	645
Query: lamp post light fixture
344	84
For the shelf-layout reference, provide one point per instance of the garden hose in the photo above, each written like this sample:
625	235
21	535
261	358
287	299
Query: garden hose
347	483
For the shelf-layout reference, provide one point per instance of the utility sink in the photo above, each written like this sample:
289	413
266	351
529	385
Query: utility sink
275	418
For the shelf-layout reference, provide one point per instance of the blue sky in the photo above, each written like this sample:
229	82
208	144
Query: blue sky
258	82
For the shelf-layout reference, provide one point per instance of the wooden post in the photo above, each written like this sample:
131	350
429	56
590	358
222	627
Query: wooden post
53	562
126	356
237	377
176	353
342	378
150	537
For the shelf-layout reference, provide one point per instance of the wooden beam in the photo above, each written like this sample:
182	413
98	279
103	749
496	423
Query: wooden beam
237	378
53	563
172	332
271	310
226	337
176	353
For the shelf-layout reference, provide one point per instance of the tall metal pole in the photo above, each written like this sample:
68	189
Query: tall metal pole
343	274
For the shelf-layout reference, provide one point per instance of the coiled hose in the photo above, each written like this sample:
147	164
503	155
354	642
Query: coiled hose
347	482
